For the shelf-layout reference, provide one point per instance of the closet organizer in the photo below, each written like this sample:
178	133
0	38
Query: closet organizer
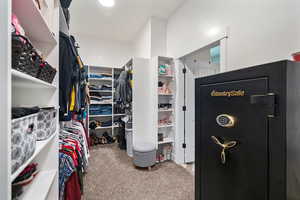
20	88
35	31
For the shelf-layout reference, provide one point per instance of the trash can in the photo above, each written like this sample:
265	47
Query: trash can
129	142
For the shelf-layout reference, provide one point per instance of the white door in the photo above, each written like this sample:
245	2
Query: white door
185	121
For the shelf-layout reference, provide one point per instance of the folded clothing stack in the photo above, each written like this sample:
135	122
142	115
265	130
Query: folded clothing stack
100	75
101	99
100	87
100	109
24	178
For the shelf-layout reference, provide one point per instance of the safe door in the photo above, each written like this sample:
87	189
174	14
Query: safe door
233	140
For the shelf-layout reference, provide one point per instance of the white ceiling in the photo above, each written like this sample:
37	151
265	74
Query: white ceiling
120	23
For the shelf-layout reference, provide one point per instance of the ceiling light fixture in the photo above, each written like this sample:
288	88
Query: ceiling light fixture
107	3
213	31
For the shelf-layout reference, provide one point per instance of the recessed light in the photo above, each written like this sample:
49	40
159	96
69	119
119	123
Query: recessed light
107	3
213	31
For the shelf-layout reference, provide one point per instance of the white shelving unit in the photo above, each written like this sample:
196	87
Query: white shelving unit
19	89
40	145
41	32
168	130
41	186
97	70
20	79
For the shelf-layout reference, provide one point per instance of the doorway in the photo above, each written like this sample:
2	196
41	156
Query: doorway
205	61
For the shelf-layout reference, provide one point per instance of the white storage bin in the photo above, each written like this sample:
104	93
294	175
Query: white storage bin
23	140
46	123
129	142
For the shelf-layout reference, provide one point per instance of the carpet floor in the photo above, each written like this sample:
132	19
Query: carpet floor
112	176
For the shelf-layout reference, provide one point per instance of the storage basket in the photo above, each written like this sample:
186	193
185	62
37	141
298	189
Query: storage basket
129	142
46	124
23	140
46	72
24	57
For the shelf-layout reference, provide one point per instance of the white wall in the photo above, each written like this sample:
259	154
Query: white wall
99	52
142	42
199	62
158	37
151	39
259	31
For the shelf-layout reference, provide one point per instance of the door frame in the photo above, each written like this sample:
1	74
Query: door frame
179	138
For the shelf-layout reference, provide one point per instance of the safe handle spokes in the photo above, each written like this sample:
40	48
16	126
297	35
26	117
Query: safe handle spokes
226	145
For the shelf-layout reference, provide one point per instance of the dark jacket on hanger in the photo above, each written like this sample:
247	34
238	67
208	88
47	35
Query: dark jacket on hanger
67	68
123	94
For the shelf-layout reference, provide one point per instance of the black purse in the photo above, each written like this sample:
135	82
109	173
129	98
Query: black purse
46	72
24	58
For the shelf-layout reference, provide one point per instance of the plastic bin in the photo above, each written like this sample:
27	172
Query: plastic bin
129	142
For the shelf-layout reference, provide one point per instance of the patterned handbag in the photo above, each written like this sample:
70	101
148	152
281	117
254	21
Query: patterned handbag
24	58
23	140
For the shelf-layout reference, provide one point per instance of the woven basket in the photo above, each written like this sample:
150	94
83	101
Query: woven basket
46	72
24	56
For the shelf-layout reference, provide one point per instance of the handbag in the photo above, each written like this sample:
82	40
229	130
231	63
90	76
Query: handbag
24	58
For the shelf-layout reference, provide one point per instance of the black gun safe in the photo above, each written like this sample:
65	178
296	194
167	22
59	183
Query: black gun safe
248	134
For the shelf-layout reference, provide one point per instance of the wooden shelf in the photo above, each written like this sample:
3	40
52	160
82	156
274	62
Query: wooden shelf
40	145
35	26
166	141
40	186
20	79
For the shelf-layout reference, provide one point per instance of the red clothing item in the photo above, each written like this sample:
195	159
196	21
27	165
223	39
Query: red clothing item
72	154
72	189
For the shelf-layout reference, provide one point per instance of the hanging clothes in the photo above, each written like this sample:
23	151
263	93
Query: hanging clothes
73	80
73	160
123	94
67	65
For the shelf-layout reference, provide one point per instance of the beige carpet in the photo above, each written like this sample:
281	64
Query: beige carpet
111	176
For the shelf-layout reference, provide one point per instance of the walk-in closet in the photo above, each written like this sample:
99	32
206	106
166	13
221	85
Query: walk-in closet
149	100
